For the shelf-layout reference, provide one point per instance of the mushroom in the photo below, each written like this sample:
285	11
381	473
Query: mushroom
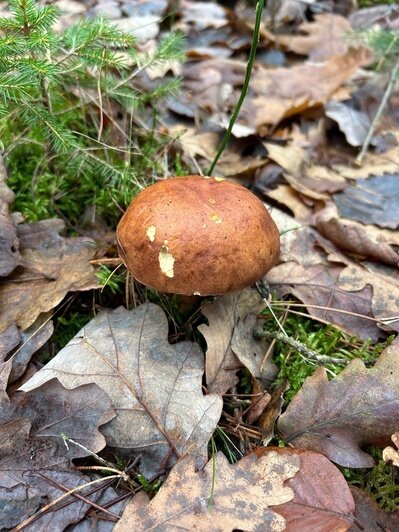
197	235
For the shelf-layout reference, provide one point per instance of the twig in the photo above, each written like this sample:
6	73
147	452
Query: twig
298	346
43	510
244	90
384	101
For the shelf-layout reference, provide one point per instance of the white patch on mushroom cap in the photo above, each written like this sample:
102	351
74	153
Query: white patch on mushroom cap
166	261
151	232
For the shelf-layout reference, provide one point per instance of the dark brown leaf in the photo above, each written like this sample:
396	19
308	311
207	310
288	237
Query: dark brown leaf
369	516
52	266
338	417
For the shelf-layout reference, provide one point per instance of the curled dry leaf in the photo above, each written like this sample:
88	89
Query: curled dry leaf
322	498
354	124
337	418
220	497
155	387
366	241
52	266
223	315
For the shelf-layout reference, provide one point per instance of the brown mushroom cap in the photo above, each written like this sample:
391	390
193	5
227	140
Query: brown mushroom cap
197	235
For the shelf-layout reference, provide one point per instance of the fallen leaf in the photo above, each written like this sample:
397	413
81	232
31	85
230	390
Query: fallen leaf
220	497
323	37
376	164
369	516
251	352
364	241
201	15
371	201
391	455
154	387
354	124
18	503
54	411
223	315
317	286
9	245
339	417
52	266
267	420
322	498
31	341
284	92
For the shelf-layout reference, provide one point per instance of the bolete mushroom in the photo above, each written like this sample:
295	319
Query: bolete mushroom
197	235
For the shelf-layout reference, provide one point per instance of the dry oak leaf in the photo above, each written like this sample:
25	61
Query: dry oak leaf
317	286
322	498
378	164
369	516
284	92
223	315
320	39
154	387
54	411
358	407
365	241
51	267
221	497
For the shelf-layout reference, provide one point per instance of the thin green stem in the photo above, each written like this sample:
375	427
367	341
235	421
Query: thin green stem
255	40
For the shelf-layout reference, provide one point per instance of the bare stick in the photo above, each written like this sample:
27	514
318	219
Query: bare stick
384	101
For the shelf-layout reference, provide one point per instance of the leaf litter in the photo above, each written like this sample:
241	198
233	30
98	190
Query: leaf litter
120	383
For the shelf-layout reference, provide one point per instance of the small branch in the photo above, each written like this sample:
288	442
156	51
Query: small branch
384	101
297	346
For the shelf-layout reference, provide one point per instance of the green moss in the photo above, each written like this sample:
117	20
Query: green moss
379	481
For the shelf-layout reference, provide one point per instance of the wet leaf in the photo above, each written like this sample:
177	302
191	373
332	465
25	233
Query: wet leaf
220	497
339	417
52	266
154	387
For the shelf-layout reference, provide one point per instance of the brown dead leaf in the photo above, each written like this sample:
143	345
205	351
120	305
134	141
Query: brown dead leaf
9	245
267	420
371	201
223	314
384	282
373	164
364	241
320	39
52	266
391	455
201	15
284	92
54	411
240	499
354	124
317	286
154	387
337	418
369	516
322	498
288	196
251	352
